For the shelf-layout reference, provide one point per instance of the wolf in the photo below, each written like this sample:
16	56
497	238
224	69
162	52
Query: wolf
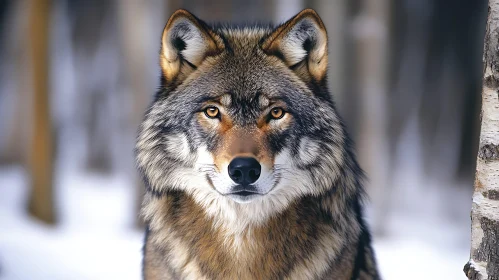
249	171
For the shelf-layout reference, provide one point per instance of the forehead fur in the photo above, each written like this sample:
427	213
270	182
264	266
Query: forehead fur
243	69
244	39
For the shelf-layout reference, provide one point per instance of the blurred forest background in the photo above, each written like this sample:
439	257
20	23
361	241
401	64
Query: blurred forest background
77	75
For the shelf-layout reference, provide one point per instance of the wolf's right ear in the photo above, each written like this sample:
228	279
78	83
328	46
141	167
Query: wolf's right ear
301	43
185	43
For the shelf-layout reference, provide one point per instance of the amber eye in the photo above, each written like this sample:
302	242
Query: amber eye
212	112
276	113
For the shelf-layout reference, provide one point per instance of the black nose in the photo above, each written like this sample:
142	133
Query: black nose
244	170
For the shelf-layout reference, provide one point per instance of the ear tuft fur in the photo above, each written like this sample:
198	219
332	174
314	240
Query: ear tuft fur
185	43
301	42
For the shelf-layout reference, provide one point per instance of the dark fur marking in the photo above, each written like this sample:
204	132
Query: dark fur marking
361	264
179	44
146	235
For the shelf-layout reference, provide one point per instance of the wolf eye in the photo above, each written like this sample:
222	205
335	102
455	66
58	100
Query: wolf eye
276	113
212	112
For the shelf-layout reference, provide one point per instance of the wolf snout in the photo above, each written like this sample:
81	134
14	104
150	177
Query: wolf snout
244	170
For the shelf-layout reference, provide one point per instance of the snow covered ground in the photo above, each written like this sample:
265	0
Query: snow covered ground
96	239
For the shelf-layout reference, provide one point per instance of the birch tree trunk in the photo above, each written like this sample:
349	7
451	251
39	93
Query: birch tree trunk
484	255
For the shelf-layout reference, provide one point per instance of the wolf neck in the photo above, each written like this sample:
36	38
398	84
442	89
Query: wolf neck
328	220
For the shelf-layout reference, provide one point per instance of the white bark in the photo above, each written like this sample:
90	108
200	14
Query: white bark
484	256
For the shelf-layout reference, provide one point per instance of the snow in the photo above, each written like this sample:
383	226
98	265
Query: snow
427	234
419	247
417	259
95	238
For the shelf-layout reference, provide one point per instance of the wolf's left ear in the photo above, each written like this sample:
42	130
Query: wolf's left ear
301	43
185	44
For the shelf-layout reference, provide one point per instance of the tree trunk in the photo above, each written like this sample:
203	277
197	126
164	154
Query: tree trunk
484	255
370	30
15	61
41	156
333	14
135	25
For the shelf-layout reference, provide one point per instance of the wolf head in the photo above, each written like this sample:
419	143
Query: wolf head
243	121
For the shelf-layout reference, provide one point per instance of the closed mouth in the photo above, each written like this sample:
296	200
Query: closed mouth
244	193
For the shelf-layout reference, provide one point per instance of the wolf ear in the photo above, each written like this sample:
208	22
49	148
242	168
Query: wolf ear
301	43
185	43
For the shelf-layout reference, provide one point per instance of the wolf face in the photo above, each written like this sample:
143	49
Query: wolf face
249	171
243	121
